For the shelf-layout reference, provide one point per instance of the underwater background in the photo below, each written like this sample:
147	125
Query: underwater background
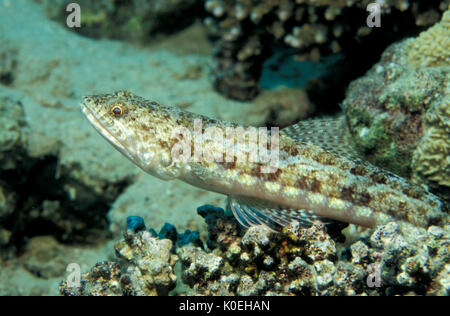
67	196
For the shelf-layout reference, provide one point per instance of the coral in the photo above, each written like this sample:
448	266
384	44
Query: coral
168	231
398	113
132	20
42	264
299	261
396	259
189	237
431	48
146	269
199	265
104	279
248	31
150	262
429	163
392	259
221	231
409	259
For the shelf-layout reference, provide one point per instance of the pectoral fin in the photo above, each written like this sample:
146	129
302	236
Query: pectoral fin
251	212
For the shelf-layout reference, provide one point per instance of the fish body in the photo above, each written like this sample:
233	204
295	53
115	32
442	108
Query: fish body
302	182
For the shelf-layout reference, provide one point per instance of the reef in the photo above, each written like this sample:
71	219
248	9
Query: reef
248	32
12	138
131	20
394	259
147	269
398	113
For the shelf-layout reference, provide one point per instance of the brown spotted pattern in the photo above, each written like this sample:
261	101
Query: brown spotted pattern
307	173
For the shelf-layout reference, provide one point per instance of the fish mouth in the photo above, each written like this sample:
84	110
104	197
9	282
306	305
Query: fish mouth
103	130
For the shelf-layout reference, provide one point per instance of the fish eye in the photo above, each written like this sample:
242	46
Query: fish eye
118	110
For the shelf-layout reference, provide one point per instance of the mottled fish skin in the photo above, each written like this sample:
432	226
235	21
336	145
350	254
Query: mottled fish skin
308	177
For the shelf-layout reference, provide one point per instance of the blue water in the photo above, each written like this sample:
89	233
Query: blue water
283	70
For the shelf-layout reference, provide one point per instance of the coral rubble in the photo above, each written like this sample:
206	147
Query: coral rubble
104	279
306	261
149	270
394	260
398	113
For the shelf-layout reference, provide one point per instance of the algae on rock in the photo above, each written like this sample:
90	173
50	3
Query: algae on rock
399	113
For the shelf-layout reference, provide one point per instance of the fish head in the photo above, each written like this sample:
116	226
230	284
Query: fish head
136	127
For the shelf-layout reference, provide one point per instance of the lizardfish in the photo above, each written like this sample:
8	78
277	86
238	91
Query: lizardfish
304	181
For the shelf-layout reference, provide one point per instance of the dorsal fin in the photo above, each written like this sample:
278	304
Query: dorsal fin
326	132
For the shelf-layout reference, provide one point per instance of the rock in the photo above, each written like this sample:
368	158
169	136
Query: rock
398	113
150	263
132	20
